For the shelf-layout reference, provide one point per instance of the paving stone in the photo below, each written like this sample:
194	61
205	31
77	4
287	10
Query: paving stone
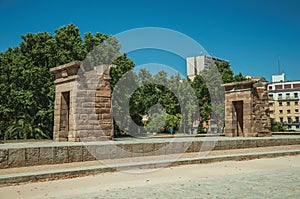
160	148
137	150
32	156
46	155
3	158
115	152
75	153
60	155
149	149
16	158
87	153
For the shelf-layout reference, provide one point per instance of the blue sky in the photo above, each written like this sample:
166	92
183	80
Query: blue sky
251	34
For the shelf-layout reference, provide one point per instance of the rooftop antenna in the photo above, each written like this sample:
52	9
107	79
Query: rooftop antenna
278	65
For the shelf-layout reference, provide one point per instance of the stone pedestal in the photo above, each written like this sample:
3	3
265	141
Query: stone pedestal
246	109
82	109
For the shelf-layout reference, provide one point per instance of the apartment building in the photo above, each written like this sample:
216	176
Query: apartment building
284	101
196	64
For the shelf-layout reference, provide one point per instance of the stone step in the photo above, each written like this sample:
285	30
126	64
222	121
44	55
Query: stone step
13	178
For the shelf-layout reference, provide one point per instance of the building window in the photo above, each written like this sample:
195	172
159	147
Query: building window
297	126
289	120
288	95
278	87
280	103
270	88
296	110
272	111
297	119
296	85
280	111
281	119
270	96
288	111
296	103
288	103
295	95
271	104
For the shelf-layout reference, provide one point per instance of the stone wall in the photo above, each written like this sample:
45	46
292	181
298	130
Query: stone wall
260	109
246	109
32	154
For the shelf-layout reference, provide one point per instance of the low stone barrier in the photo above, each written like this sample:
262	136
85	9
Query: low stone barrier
29	154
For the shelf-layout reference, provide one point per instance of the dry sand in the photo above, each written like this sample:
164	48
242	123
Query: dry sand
83	186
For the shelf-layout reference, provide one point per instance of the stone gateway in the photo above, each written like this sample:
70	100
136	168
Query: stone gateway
82	108
247	109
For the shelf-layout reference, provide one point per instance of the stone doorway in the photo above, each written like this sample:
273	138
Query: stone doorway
238	117
64	112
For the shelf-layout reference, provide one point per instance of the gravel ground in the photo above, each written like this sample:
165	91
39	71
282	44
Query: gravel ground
259	178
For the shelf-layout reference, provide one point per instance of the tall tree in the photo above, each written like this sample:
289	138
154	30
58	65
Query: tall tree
210	92
26	85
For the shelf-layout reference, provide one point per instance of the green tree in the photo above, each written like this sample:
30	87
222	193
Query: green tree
277	127
157	122
239	78
207	86
69	44
124	64
26	85
173	121
203	96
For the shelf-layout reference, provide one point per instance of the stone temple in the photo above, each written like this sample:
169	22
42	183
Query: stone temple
247	109
82	108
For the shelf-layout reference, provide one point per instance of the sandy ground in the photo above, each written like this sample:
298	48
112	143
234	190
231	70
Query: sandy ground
178	181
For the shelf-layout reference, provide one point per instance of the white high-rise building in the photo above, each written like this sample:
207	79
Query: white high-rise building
196	64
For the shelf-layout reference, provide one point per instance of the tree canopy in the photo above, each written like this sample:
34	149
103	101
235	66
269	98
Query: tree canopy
26	85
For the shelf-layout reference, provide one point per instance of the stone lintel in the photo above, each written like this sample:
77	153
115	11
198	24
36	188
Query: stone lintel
57	69
237	90
67	72
66	79
239	85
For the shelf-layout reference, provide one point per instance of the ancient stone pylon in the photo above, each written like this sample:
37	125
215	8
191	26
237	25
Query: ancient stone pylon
247	109
82	109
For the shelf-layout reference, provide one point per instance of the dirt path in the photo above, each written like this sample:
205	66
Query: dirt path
259	176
